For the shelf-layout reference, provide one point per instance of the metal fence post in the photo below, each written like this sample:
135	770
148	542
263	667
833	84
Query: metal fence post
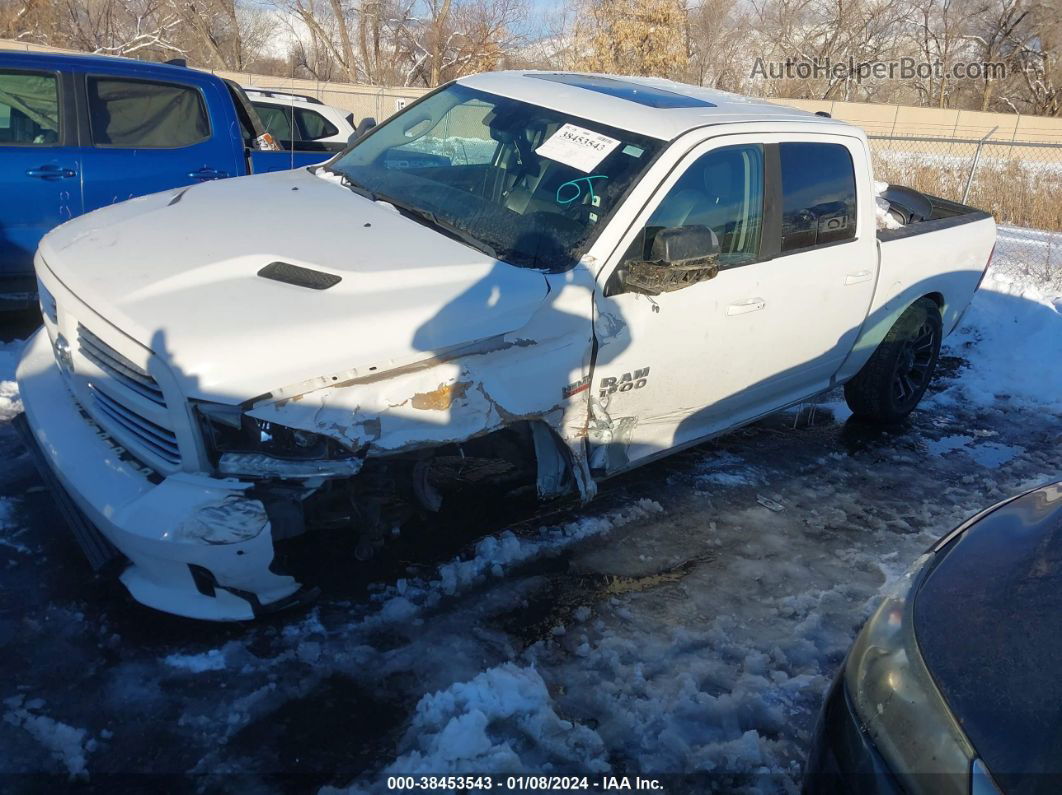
973	165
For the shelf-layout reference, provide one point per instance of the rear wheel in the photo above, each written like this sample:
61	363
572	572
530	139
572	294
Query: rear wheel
896	376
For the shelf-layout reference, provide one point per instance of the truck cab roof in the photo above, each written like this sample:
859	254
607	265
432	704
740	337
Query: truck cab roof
59	61
652	106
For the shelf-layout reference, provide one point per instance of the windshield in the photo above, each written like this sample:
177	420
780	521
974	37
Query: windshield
526	184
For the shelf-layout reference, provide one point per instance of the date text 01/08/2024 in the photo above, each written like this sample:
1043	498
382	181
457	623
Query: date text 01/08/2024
524	783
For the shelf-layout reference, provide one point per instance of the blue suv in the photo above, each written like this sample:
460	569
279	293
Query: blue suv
79	132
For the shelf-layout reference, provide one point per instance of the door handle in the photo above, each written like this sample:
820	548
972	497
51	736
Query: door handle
51	172
752	305
856	278
208	173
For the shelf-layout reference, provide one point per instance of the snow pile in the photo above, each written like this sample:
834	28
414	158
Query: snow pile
213	660
884	218
10	529
727	469
67	745
502	721
990	455
10	405
1012	338
495	555
461	150
1033	256
694	700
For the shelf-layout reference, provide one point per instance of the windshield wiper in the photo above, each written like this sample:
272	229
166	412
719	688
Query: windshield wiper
361	190
429	218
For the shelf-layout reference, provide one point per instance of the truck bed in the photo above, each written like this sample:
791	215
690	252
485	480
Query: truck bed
943	255
932	213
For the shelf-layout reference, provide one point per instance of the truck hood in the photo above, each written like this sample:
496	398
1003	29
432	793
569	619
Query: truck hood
178	272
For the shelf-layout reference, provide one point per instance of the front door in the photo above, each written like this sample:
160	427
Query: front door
774	325
40	181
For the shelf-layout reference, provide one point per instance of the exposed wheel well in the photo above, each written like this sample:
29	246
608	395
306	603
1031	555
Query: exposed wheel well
936	298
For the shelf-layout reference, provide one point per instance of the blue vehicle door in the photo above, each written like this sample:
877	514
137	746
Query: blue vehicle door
146	135
40	181
262	162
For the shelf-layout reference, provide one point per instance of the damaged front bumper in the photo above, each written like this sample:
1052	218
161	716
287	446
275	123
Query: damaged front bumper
197	546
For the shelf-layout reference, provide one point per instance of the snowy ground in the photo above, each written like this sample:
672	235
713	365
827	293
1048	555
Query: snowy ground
687	623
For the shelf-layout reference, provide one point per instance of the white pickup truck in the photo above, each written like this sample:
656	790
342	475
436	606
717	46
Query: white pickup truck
521	284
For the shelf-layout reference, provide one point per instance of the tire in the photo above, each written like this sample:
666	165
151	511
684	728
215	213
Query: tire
896	376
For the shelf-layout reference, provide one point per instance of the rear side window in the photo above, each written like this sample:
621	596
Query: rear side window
29	109
309	125
141	113
314	125
818	195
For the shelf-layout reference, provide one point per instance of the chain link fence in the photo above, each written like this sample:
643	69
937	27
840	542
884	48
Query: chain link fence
1019	182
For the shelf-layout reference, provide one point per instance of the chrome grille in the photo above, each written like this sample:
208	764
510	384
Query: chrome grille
160	441
48	305
118	367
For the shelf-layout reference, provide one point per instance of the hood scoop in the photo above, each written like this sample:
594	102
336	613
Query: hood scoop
300	277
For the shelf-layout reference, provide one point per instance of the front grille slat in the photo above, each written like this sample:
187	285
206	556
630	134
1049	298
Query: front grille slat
162	436
158	443
121	398
119	367
113	369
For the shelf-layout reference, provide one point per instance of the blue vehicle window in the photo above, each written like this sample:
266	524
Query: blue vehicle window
818	195
141	113
29	109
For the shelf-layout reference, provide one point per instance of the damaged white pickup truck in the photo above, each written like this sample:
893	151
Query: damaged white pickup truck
521	284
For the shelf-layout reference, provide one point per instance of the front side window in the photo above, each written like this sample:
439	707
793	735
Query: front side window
722	190
818	195
29	109
530	185
140	113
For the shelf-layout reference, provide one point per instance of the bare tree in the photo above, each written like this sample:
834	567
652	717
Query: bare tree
648	37
225	34
999	29
102	26
936	32
720	34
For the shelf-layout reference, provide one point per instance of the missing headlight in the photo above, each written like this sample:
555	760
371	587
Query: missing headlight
239	444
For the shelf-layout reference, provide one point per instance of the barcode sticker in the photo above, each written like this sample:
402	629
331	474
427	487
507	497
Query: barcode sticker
577	147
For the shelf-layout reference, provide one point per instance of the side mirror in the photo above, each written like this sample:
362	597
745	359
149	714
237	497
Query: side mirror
680	256
363	127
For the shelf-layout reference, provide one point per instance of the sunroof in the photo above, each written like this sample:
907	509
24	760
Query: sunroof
649	96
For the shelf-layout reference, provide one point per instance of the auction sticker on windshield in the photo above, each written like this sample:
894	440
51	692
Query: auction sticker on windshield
577	147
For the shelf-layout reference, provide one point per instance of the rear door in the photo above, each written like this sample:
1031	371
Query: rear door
41	175
147	134
822	282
